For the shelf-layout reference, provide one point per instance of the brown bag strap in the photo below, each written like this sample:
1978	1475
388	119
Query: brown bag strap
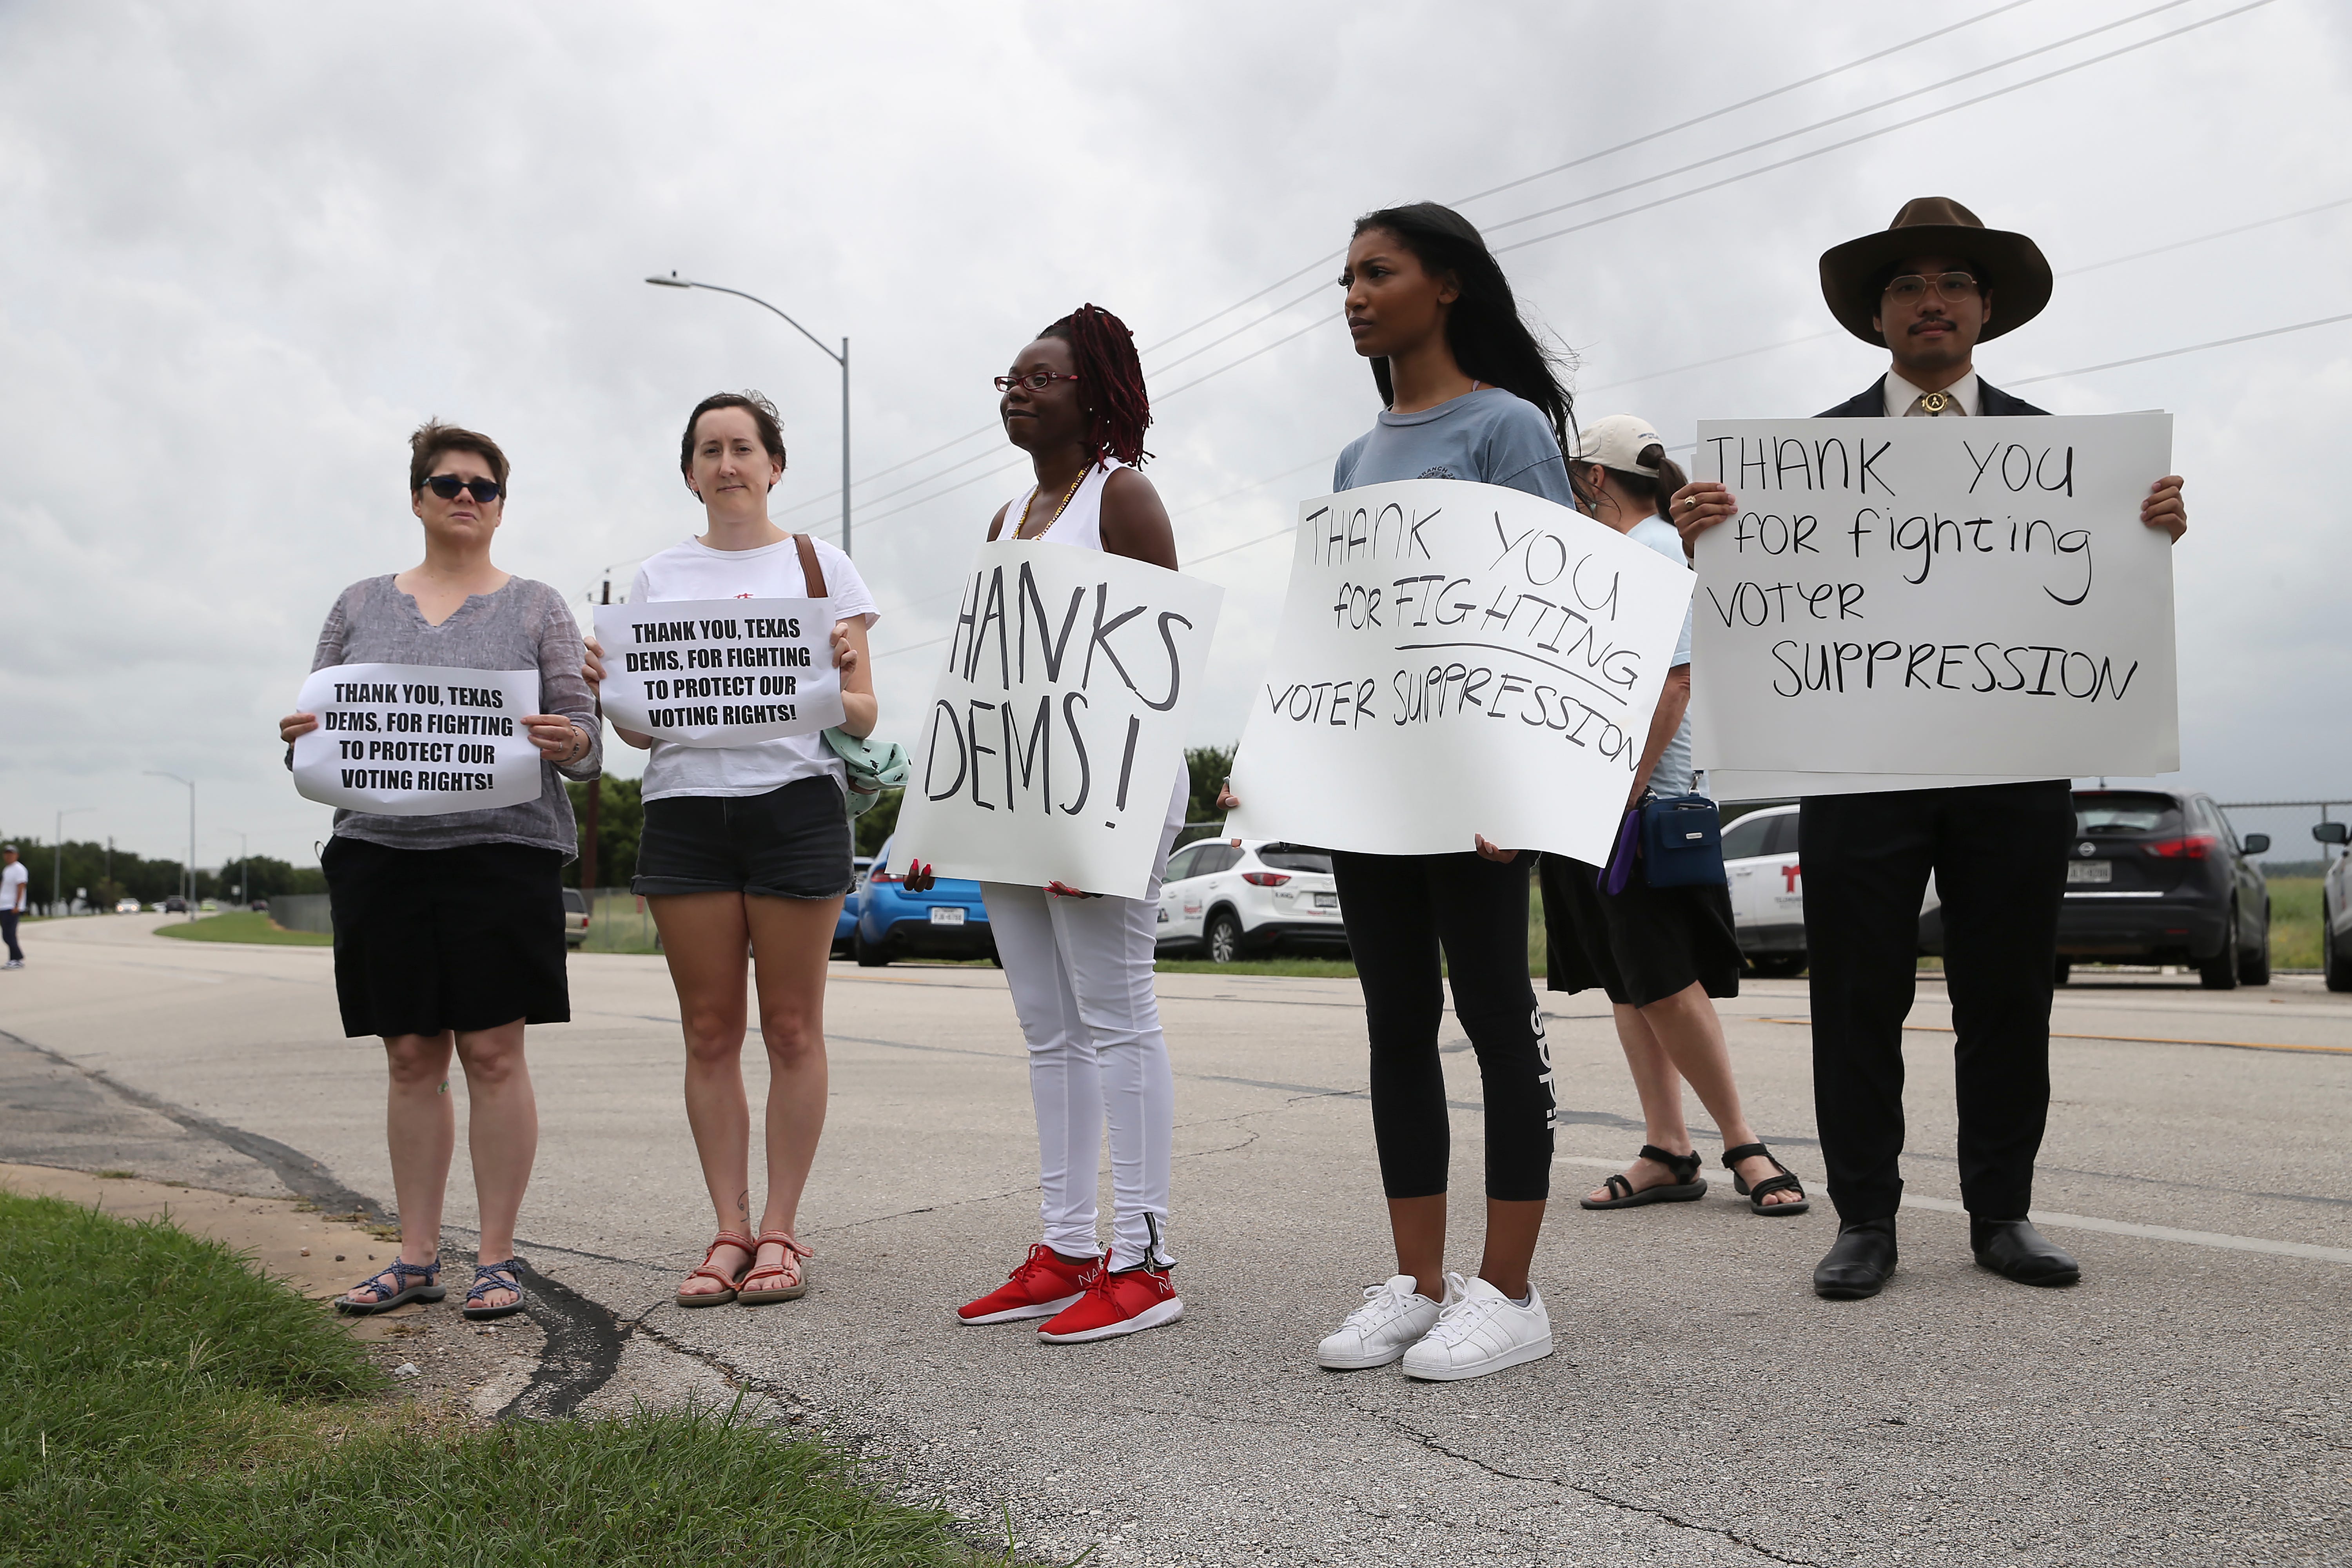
812	575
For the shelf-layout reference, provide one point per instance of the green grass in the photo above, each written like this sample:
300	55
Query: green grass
244	925
2295	922
165	1403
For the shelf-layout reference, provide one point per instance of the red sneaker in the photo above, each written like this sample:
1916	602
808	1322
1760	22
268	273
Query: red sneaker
1044	1284
1127	1303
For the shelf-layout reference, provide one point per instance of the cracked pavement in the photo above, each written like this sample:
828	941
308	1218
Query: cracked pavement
2184	1404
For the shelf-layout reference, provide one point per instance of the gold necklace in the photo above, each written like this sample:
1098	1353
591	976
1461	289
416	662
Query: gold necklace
1021	531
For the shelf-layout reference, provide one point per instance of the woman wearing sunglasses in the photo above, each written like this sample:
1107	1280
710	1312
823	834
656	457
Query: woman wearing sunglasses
449	928
745	860
1469	394
1080	965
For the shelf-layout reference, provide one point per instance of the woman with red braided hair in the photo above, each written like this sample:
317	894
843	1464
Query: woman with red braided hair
1079	964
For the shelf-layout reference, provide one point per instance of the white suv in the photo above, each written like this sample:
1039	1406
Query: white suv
1228	897
1768	891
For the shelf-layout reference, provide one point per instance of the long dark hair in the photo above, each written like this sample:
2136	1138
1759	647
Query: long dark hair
1110	383
1483	328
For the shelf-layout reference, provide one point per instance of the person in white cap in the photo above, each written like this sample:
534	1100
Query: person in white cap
1663	954
13	878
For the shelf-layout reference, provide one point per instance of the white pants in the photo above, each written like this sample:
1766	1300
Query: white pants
1080	973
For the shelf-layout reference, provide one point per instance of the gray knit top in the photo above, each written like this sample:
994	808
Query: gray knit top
523	625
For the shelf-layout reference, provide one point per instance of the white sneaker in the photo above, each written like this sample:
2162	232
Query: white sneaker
1393	1317
1480	1331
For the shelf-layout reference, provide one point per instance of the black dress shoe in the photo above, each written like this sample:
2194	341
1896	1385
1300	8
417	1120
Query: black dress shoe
2013	1248
1858	1263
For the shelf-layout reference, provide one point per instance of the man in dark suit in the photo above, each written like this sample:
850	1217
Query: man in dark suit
1933	286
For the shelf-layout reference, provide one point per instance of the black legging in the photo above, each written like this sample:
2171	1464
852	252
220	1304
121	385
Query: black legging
1400	910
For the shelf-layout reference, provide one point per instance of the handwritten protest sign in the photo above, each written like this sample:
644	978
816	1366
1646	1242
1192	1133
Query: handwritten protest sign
720	672
1057	735
1455	659
406	739
1935	597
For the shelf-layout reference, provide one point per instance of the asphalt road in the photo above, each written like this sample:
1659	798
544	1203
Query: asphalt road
2186	1403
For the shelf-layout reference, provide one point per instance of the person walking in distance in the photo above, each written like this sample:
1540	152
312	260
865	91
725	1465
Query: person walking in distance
450	928
745	860
1929	289
1079	963
1469	393
13	881
1663	954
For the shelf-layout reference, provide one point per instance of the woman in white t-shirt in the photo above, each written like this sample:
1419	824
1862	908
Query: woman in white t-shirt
745	859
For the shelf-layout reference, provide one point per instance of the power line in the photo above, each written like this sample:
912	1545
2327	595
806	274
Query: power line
2193	348
1326	260
2063	272
1883	130
1611	218
1743	103
1839	119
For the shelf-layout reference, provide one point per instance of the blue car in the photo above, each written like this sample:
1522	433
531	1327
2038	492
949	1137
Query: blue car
949	922
844	929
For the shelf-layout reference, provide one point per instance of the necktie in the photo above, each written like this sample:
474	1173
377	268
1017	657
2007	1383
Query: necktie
1934	406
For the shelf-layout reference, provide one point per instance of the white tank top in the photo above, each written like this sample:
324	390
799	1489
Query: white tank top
1081	525
1081	520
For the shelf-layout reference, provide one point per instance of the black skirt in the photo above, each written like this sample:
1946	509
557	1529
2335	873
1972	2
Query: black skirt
427	940
1641	946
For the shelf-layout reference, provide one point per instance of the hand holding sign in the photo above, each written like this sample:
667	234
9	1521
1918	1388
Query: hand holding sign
1977	597
398	739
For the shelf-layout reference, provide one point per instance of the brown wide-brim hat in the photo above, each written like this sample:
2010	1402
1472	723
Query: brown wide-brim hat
2010	266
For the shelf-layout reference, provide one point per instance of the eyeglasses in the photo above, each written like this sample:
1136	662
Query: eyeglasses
1910	289
447	487
1036	381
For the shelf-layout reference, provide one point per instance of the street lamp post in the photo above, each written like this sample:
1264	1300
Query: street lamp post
841	359
58	856
160	774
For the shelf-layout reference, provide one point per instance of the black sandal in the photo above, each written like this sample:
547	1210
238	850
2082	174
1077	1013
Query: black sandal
1786	1181
1688	1185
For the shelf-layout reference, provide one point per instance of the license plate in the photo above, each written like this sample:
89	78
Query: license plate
2090	872
947	916
1327	900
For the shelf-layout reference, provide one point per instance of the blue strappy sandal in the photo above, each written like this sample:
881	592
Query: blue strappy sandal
395	1286
489	1276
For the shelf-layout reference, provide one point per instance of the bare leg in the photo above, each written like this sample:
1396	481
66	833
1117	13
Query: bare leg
1419	1225
1511	1231
1685	1025
421	1129
502	1133
792	940
706	939
1661	1088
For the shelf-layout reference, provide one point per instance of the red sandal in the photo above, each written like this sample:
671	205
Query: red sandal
731	1281
795	1283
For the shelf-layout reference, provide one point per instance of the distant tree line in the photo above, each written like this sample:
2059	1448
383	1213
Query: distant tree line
112	875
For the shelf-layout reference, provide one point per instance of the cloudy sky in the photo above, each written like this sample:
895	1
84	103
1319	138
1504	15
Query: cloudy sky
244	249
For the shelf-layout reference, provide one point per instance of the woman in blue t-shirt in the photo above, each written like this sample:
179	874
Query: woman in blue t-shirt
1471	394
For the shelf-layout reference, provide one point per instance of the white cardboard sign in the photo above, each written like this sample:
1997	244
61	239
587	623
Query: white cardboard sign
408	740
1935	597
1455	660
1057	734
720	672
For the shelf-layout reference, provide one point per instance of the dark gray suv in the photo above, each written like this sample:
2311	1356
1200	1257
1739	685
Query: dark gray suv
2159	877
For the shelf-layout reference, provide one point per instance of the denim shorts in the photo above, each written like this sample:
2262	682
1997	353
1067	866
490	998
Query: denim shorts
792	842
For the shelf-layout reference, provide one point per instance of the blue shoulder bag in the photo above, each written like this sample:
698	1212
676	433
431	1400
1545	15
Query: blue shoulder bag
1678	839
